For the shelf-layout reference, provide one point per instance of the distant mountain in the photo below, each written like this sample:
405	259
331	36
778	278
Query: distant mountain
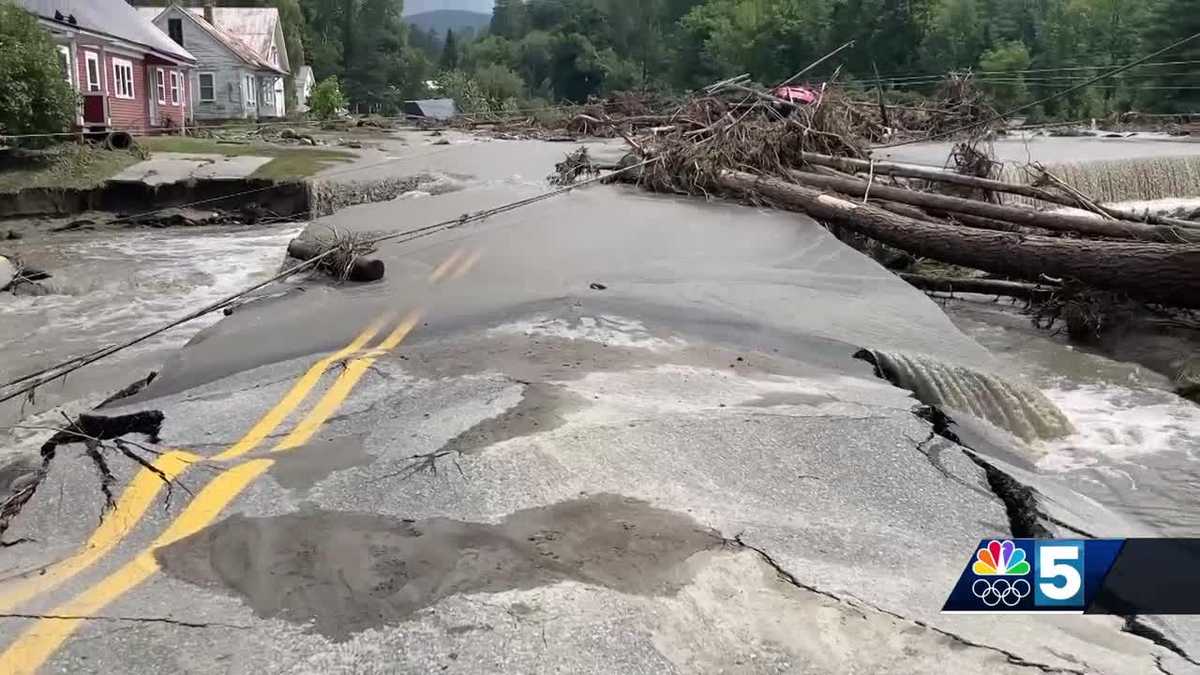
412	7
442	20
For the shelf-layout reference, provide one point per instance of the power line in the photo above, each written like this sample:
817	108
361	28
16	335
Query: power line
1051	97
66	367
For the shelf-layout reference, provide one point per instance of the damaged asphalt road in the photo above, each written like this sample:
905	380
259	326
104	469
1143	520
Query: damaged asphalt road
688	472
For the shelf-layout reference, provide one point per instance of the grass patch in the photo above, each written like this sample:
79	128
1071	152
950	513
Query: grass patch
288	162
69	165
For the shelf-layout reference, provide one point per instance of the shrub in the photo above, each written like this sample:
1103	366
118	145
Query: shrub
34	97
327	100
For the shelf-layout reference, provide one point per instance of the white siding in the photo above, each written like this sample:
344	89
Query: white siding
213	57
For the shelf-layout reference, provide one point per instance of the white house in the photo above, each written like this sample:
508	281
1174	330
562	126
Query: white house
241	55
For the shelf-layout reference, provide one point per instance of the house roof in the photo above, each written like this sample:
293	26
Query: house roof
436	108
110	18
254	26
232	41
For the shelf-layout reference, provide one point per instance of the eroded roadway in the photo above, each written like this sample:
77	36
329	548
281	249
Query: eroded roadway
609	432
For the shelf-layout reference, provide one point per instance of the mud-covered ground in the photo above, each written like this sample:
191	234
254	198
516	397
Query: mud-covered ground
606	432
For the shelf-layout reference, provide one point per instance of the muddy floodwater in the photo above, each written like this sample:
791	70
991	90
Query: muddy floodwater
1135	445
109	286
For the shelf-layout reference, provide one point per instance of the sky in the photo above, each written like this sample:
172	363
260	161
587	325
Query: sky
421	6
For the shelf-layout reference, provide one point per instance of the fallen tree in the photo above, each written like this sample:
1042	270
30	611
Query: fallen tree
852	165
1012	289
1155	272
1059	222
349	265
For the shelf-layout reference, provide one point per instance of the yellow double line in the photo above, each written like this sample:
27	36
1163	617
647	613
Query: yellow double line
455	267
39	641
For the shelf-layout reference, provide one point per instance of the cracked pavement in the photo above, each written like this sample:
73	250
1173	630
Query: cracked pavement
686	471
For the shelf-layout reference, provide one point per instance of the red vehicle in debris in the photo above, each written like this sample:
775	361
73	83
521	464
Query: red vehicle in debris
802	95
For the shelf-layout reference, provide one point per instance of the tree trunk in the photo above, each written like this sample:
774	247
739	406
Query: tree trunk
851	165
1012	289
1163	273
1058	222
361	270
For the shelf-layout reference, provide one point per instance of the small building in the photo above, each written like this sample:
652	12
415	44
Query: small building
431	108
241	54
304	86
130	76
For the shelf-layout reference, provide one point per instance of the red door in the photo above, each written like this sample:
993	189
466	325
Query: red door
93	110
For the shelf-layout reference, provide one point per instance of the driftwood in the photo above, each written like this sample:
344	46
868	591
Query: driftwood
851	165
1011	289
361	268
1059	222
1155	272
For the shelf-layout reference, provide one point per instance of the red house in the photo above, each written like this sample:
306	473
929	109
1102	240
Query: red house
129	74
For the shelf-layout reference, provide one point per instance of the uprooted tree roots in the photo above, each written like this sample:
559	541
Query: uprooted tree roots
573	166
762	137
99	434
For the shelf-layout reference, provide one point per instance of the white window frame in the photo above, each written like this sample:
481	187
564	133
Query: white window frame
175	87
91	61
129	90
212	89
160	85
251	94
64	53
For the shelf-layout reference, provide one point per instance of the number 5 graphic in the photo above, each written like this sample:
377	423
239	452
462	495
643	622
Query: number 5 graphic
1060	574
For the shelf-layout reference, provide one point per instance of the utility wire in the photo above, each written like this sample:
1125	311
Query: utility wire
52	373
1051	97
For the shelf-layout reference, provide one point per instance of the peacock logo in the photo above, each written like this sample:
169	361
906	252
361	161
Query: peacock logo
1000	559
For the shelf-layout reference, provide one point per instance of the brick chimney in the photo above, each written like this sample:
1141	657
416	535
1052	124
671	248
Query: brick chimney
208	12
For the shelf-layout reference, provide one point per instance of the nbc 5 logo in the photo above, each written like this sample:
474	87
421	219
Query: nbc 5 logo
1059	566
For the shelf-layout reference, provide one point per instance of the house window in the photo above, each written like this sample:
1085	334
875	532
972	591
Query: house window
208	88
250	93
160	84
64	62
174	87
274	56
92	59
123	78
175	30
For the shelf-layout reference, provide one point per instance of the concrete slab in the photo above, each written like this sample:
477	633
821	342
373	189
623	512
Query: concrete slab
231	167
175	167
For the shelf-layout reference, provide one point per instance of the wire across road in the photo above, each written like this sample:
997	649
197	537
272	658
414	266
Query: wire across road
234	474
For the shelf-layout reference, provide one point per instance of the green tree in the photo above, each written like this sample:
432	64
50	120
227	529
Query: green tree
492	49
1171	21
461	87
508	19
499	85
34	97
450	52
955	37
1007	85
534	58
327	100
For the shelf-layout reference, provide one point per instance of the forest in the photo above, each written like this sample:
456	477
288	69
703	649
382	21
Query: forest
541	52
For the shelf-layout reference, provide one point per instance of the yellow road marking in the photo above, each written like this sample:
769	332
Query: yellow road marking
39	641
145	486
329	403
134	502
465	266
443	269
295	396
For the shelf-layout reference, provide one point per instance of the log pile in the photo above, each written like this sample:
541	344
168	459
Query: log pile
813	158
